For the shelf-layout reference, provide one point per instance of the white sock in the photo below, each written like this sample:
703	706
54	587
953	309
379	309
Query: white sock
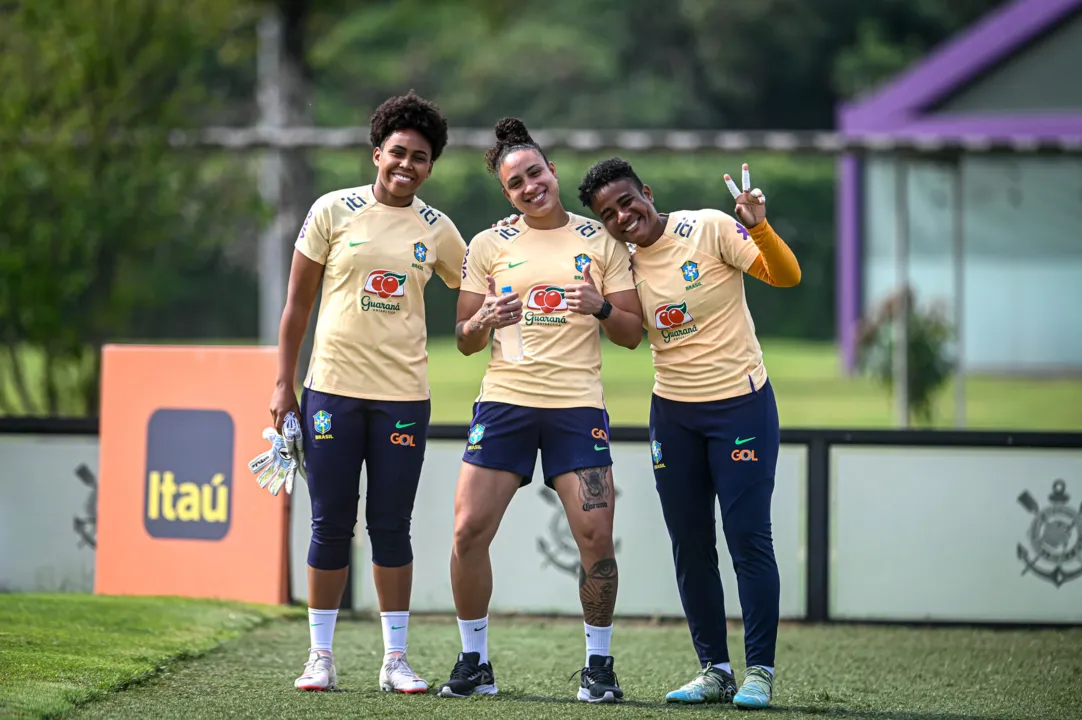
724	666
474	635
321	628
768	669
598	640
395	626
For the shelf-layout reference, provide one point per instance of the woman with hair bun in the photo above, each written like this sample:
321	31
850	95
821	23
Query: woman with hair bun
560	276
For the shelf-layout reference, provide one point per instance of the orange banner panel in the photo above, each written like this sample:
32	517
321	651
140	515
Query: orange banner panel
178	511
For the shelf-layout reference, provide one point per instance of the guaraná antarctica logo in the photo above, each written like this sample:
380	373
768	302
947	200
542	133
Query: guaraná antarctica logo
1055	537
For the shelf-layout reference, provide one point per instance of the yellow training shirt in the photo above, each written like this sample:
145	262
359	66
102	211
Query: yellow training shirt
562	367
371	337
691	286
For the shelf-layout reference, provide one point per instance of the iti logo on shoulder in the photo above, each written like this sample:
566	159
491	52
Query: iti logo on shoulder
189	474
476	433
1055	537
321	422
541	302
385	284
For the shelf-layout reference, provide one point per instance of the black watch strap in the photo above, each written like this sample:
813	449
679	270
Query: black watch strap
605	311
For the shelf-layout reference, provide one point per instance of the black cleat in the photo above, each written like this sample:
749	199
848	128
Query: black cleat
597	682
469	677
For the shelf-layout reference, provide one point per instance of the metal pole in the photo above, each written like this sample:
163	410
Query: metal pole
901	268
269	96
959	294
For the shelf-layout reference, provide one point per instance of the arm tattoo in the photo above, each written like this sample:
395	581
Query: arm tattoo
595	490
465	326
597	592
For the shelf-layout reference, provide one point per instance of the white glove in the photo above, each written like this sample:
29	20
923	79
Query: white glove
284	461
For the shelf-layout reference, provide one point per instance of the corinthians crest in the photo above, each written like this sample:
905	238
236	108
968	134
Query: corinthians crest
1055	537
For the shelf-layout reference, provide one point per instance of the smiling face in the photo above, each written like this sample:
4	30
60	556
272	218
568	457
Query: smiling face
530	183
628	213
404	162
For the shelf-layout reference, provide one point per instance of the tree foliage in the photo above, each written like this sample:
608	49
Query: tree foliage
98	231
102	239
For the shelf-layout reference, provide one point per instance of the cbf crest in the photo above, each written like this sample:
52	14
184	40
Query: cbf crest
1055	537
690	271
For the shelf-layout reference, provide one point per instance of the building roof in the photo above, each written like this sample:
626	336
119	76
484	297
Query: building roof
900	105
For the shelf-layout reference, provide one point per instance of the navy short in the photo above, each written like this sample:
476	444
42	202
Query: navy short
732	442
507	437
342	435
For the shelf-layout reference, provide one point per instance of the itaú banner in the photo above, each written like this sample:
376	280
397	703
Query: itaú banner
956	534
534	558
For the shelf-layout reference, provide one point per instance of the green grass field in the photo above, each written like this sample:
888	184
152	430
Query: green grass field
93	657
57	651
811	391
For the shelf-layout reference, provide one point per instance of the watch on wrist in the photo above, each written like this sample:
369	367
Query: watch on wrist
605	311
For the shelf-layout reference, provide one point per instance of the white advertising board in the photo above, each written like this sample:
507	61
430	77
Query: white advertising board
534	559
48	512
956	534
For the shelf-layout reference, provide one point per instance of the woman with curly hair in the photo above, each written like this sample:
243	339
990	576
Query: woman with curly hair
573	279
366	396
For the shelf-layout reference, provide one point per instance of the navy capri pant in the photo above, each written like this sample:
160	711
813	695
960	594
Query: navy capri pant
342	435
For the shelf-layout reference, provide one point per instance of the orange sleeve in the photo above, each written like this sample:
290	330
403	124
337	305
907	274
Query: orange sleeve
776	264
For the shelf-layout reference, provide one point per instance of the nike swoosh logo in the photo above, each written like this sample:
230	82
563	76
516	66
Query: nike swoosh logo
741	442
480	628
355	244
401	424
397	627
599	448
515	265
314	624
640	282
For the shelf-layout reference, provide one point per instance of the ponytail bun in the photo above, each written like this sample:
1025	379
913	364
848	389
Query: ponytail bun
512	131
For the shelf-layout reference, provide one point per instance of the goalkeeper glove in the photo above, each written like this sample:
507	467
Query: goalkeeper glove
284	461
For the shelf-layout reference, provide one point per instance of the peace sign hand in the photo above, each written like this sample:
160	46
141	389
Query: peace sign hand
750	204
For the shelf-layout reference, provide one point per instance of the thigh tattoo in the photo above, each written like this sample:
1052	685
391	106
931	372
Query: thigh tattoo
595	490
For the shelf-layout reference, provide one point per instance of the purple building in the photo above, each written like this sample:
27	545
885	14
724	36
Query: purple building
1015	74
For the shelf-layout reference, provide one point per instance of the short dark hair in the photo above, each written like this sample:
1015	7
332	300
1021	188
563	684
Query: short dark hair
604	173
511	135
410	112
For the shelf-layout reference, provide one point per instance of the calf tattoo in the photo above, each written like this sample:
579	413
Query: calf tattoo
597	592
595	490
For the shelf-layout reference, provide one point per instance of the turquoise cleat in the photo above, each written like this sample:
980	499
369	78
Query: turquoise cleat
757	689
711	685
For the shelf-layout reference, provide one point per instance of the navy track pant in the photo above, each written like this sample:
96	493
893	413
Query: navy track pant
724	452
